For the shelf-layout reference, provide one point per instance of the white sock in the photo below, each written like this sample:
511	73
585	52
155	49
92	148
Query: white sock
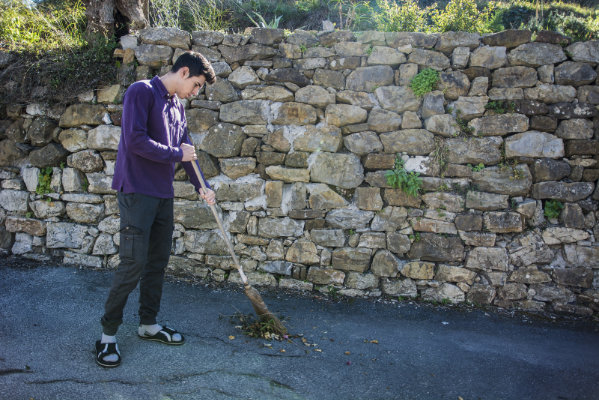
154	329
149	329
109	339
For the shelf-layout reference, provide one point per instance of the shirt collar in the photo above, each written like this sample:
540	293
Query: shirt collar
157	83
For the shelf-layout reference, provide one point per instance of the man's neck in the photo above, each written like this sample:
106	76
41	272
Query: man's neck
169	82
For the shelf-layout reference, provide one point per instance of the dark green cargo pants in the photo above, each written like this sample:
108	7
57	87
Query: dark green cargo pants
145	246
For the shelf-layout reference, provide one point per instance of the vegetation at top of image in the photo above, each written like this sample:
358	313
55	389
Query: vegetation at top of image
400	178
405	16
577	19
47	25
50	25
465	16
60	56
553	208
274	24
193	15
54	53
424	82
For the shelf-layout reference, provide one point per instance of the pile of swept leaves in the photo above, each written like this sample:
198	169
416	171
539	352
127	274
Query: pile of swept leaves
252	327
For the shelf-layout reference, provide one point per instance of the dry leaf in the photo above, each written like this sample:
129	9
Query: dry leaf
231	337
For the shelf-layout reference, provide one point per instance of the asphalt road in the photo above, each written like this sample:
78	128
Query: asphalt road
362	349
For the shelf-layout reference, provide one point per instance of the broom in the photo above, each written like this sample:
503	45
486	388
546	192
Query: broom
259	306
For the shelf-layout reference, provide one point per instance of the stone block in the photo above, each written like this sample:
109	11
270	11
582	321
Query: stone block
419	270
448	273
469	222
432	247
385	264
487	259
351	259
577	277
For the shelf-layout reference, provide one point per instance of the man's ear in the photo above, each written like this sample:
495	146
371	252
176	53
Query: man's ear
184	72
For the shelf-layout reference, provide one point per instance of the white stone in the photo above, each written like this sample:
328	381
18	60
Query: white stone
31	178
82	259
23	243
104	137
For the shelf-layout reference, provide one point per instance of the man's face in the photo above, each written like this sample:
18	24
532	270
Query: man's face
190	86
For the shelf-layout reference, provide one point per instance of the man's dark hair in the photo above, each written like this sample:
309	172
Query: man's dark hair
197	64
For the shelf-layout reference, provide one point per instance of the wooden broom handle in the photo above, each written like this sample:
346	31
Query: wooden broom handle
244	278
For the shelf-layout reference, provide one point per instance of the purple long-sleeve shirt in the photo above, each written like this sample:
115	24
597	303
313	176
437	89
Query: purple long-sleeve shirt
153	127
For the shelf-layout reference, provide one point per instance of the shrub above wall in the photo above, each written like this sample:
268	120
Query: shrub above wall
298	135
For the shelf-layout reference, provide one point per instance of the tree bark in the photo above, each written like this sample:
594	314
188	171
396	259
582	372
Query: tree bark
136	11
101	16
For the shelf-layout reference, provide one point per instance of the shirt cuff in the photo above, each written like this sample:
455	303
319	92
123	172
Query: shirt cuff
178	154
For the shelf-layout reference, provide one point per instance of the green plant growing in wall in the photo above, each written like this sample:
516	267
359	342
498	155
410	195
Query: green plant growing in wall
513	204
44	180
443	188
400	178
552	208
462	123
440	156
501	107
477	168
333	292
415	237
85	184
516	172
424	82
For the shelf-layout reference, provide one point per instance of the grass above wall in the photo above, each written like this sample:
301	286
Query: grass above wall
575	19
54	59
49	35
51	25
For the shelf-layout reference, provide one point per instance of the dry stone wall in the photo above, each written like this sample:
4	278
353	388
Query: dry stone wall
296	136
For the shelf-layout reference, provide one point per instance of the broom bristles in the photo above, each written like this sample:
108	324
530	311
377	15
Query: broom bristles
262	311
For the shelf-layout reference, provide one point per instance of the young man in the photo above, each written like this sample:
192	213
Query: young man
154	138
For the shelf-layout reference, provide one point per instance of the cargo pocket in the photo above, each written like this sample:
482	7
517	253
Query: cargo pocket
131	239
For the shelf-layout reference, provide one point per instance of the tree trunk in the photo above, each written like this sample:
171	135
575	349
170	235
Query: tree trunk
136	11
100	19
101	16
